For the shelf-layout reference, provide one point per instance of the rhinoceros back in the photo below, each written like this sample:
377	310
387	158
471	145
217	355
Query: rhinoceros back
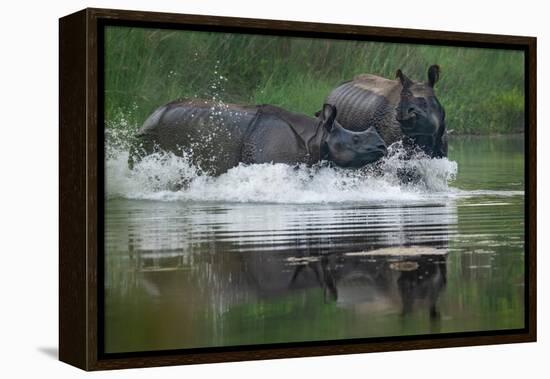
212	134
366	101
281	136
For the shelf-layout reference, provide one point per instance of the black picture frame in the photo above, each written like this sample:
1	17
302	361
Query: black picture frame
82	188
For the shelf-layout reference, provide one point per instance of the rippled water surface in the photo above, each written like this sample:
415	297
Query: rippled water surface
276	254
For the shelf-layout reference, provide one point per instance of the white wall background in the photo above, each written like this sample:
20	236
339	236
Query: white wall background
28	200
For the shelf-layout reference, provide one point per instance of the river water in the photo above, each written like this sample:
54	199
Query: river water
274	254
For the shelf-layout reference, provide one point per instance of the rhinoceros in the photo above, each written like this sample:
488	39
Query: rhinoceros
399	109
219	136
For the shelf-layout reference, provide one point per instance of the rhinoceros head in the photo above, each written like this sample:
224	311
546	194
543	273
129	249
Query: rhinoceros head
350	149
421	116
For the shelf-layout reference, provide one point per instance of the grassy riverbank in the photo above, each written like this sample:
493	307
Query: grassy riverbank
481	89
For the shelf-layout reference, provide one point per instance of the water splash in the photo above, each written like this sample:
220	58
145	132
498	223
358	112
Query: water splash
167	177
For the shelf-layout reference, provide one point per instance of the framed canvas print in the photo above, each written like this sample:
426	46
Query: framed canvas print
237	189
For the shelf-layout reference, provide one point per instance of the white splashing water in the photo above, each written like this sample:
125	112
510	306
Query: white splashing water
166	177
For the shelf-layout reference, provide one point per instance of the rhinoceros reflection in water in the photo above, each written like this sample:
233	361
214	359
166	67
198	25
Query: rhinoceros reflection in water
391	280
385	281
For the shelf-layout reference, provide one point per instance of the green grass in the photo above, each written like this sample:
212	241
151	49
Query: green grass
482	90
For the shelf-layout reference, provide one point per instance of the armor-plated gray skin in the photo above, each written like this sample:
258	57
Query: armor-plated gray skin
399	109
211	133
220	136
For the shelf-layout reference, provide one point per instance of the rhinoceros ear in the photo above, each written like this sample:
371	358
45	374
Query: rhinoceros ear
433	75
328	115
405	82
